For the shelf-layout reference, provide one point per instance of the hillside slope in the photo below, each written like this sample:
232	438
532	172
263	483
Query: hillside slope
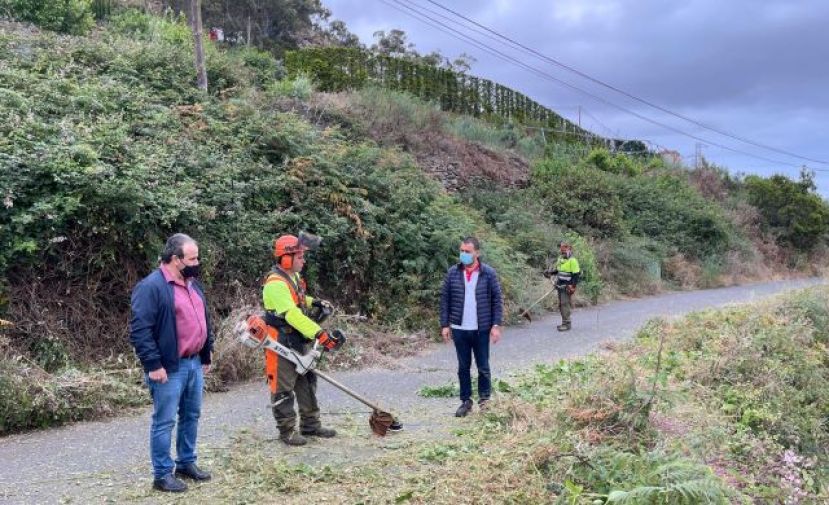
107	148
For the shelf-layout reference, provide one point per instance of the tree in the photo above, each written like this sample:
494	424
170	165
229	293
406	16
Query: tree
340	35
198	43
277	25
395	44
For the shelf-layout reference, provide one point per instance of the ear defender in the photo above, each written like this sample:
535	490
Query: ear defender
286	261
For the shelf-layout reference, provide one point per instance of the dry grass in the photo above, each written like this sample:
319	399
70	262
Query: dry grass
566	433
398	120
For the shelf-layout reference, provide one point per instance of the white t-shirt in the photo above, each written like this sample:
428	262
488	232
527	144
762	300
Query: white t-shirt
470	303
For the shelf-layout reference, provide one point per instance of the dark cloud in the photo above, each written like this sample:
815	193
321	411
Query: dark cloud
757	69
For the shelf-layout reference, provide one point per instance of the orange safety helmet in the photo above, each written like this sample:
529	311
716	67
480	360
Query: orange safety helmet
286	246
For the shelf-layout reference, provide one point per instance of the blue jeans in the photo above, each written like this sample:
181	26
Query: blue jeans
467	344
182	395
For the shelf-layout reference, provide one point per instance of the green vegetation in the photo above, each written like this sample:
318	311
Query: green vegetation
76	17
107	147
792	209
342	68
725	406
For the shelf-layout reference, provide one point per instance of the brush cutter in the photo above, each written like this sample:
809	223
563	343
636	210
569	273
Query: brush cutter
253	333
525	313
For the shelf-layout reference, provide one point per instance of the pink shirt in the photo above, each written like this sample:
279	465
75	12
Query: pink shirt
191	321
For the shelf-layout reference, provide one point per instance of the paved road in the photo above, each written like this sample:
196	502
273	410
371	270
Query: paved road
89	461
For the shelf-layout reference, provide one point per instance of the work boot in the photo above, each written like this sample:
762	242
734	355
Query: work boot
464	409
563	327
483	404
169	484
320	432
293	438
191	471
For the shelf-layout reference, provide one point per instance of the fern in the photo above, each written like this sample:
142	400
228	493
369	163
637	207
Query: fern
679	482
692	492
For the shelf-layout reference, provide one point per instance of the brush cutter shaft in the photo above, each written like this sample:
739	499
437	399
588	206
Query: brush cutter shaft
347	391
545	295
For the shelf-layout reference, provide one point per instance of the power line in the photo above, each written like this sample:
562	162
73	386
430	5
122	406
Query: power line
623	92
399	5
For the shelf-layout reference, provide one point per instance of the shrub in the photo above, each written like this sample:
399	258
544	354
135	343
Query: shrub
586	200
792	209
632	265
666	208
298	88
614	163
66	16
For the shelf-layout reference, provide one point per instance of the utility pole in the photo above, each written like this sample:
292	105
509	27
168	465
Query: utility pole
698	154
579	116
198	41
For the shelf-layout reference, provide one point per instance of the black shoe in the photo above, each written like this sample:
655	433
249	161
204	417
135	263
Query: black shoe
169	484
563	327
293	438
319	432
483	404
191	471
465	408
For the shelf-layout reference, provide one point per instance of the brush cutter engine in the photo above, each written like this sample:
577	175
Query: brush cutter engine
255	334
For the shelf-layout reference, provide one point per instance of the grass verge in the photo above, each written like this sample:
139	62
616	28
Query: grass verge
725	406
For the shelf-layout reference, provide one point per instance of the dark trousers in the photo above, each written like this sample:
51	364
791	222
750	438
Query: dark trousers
291	385
565	305
467	344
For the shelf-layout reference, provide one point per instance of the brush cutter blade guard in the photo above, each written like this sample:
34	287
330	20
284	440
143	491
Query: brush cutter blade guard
381	422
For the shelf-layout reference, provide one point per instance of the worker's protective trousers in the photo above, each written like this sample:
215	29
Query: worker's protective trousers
565	304
290	386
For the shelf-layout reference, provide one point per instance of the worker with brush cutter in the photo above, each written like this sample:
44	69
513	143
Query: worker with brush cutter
296	318
566	273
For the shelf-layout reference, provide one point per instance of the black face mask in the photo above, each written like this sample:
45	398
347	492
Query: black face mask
190	271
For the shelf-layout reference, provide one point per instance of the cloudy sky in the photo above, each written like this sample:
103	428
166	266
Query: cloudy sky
757	69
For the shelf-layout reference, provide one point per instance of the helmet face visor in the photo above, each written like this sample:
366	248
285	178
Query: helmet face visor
308	241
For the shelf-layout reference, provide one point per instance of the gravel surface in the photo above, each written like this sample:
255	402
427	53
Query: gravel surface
94	461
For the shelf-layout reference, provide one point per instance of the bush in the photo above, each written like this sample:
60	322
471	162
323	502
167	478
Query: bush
95	187
664	207
632	265
792	209
33	398
583	199
614	163
137	24
67	16
298	88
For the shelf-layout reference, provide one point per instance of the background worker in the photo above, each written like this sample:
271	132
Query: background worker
287	309
471	308
566	275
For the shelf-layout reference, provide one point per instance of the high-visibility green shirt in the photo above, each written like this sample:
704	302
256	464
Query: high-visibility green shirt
276	296
569	265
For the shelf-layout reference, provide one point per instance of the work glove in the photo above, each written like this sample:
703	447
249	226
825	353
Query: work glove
331	341
571	289
549	273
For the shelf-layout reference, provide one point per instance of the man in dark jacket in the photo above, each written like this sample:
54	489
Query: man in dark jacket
170	330
471	309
